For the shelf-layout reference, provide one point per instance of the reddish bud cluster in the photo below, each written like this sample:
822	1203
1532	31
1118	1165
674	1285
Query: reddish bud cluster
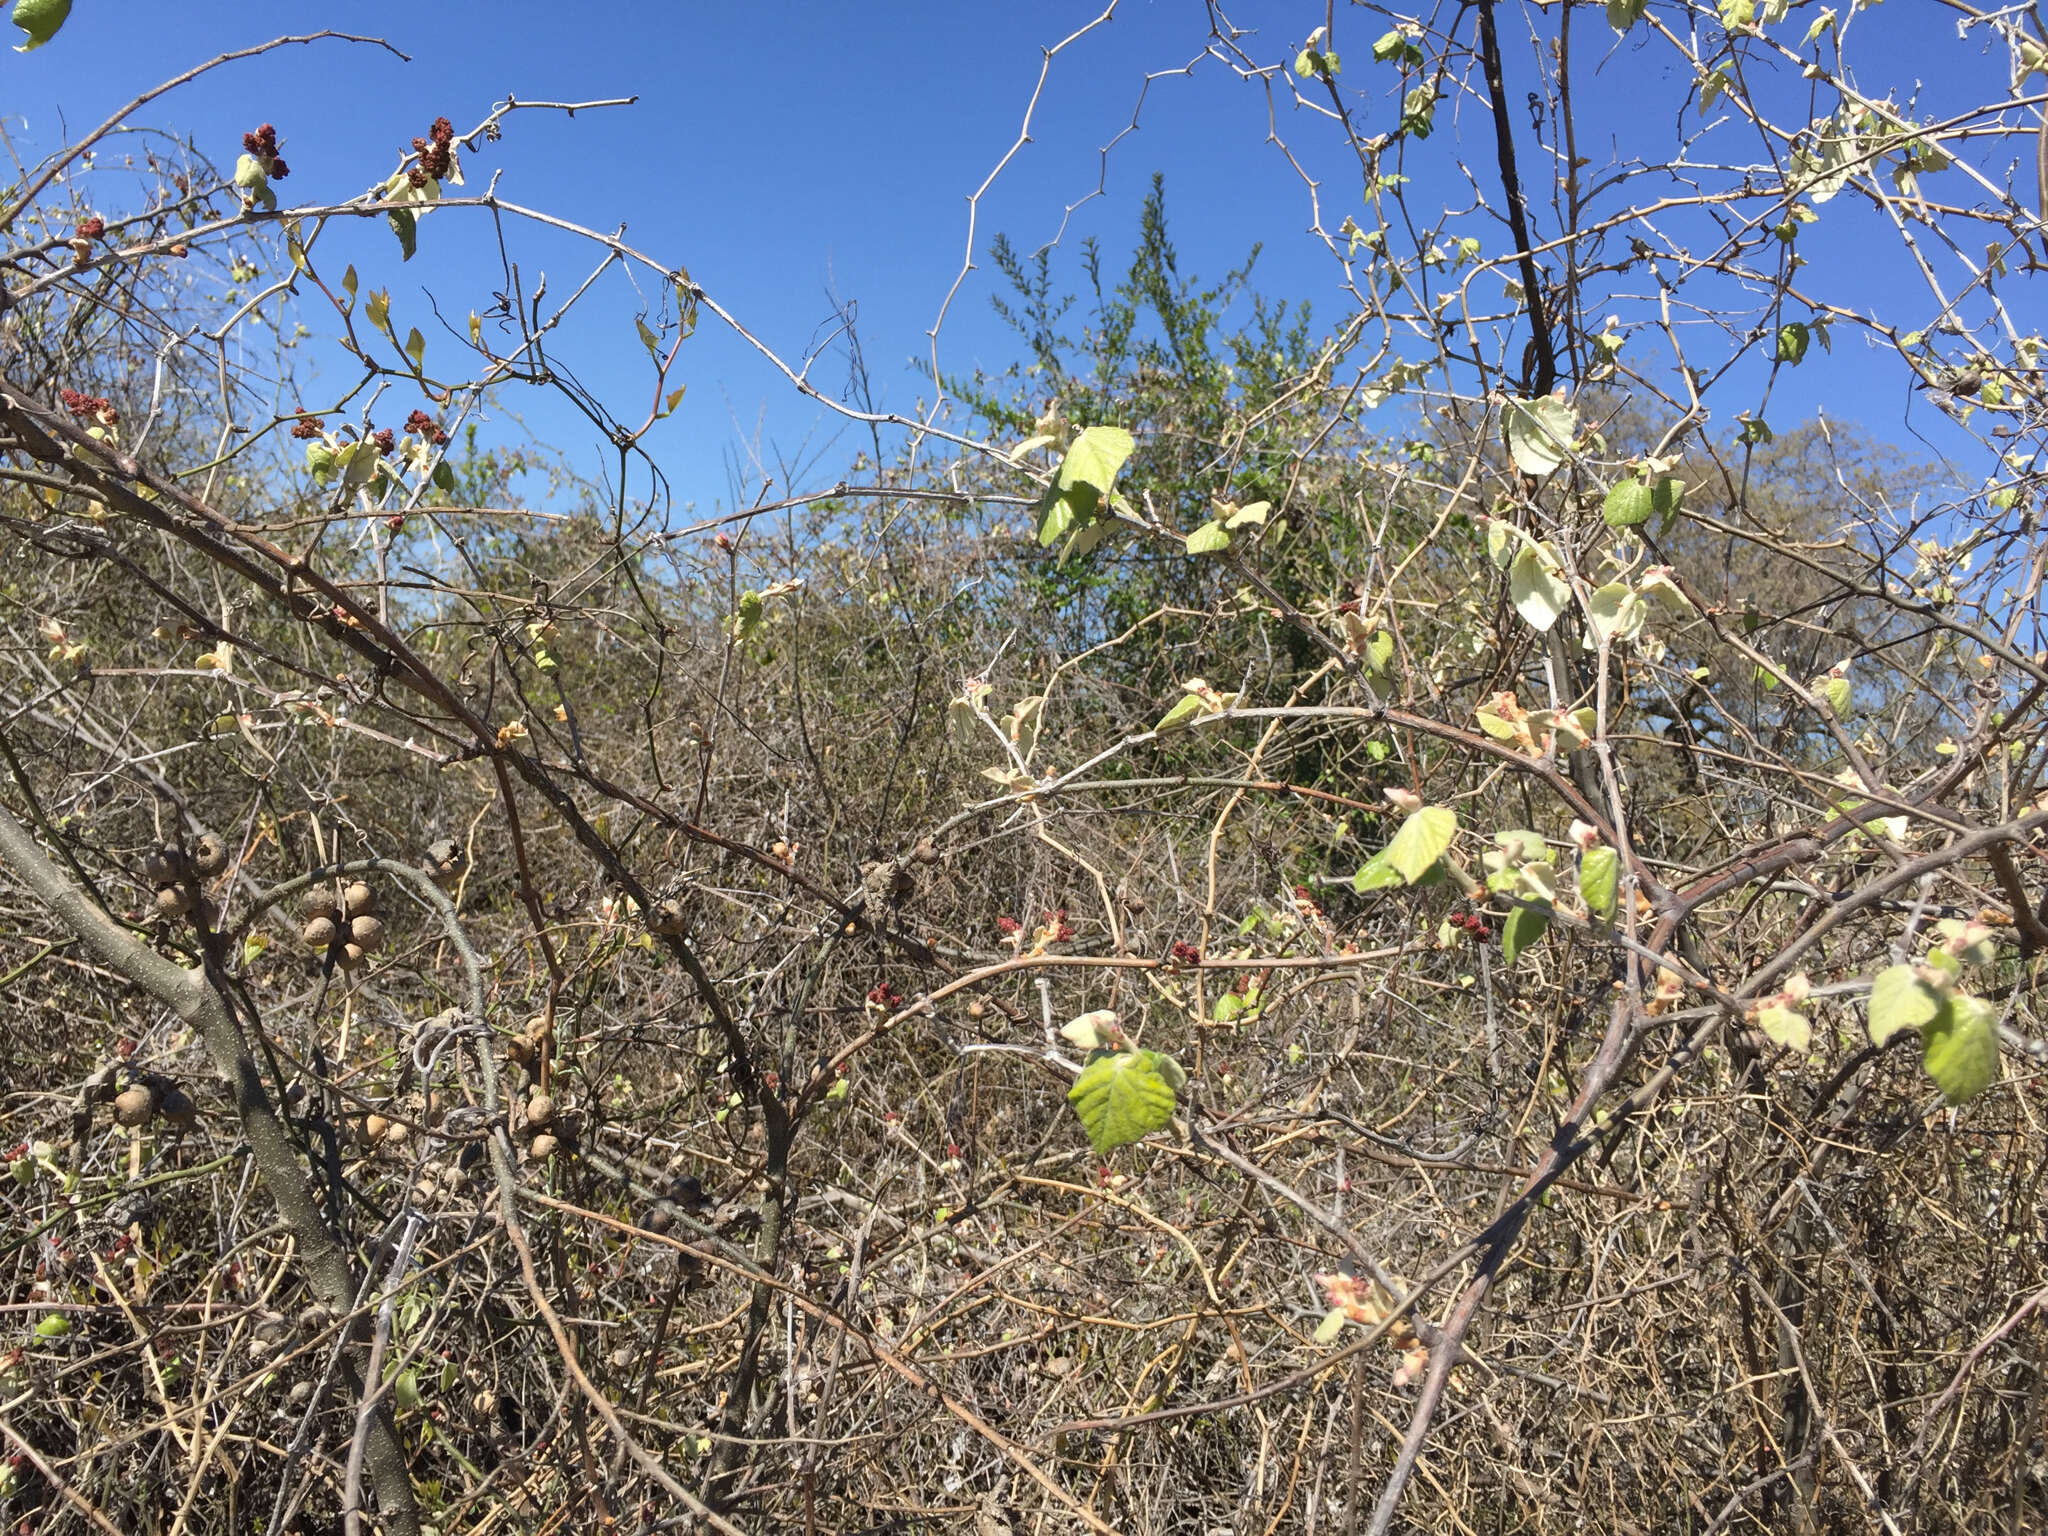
384	439
1185	953
882	995
1059	930
263	145
87	405
435	156
308	426
94	228
1007	926
420	424
1473	924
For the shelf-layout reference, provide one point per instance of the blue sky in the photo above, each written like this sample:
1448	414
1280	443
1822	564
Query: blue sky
785	153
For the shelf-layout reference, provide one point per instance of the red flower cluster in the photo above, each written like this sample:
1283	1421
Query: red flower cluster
1008	926
385	439
263	145
1473	924
308	426
435	157
86	405
420	424
94	228
1185	953
1060	930
882	995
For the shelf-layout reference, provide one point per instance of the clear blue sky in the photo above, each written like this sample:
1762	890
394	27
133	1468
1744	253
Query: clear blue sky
783	152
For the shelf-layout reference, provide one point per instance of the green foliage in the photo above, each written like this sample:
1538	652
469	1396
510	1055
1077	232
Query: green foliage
1424	837
1124	1096
40	20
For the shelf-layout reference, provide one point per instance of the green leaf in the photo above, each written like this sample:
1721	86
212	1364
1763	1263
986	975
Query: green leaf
1623	14
40	19
748	619
1540	433
1787	1027
1375	874
1901	999
1423	838
1540	594
1183	713
1208	539
378	309
416	348
1123	1098
405	1392
1627	505
1614	612
407	227
1960	1048
1379	653
1525	925
1055	520
1792	341
1098	453
56	1325
1600	880
648	339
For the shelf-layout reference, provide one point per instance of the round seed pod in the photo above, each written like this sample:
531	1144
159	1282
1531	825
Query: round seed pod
358	899
667	917
484	1402
925	852
977	1009
133	1106
174	900
395	1134
540	1109
209	856
538	1028
660	1217
260	1349
542	1148
320	933
315	1319
164	865
446	861
375	1129
519	1050
319	902
352	956
367	931
624	1356
301	1393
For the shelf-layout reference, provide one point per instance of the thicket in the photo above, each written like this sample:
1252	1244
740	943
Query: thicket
1417	919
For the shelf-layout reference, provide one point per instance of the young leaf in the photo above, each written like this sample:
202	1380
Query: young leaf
1627	504
1093	1031
1123	1098
416	348
40	19
1539	592
378	309
1540	434
1098	453
1375	874
1208	539
407	227
1525	925
1599	880
1423	838
1960	1048
748	619
1900	999
1183	713
1787	1027
1623	14
648	339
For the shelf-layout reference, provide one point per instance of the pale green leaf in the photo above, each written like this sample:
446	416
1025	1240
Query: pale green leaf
40	19
1098	453
1627	505
1183	713
1123	1098
1525	925
1424	837
1208	539
1540	434
1599	880
1540	593
1901	999
1960	1048
1375	874
1786	1026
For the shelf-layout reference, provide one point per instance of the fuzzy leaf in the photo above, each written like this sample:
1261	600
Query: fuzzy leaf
1208	539
1786	1026
1900	999
1375	874
1123	1098
1960	1048
1525	925
1424	838
40	19
1540	433
1540	594
1599	880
